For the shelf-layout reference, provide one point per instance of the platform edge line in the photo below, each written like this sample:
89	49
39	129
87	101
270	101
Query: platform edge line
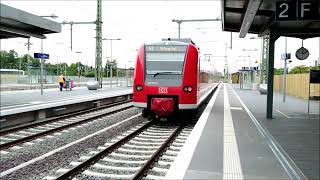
181	163
231	158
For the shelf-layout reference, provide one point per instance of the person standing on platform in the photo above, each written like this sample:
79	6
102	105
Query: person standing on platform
61	81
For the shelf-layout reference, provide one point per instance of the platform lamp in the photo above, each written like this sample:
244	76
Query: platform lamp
111	39
250	50
107	64
78	52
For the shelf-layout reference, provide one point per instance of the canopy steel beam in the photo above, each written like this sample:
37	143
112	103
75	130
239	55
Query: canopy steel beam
242	10
194	20
251	12
71	23
21	33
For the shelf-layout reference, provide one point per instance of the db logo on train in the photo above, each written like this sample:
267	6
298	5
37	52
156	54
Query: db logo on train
163	90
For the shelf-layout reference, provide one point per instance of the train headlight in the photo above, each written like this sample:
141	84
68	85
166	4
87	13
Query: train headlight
187	88
139	88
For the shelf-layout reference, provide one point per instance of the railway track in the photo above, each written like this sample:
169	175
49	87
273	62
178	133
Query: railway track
17	136
145	151
52	119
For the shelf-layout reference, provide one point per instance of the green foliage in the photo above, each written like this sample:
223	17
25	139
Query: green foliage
278	71
89	74
11	60
316	67
297	70
72	70
300	70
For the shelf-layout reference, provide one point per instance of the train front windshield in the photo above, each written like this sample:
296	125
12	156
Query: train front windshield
164	64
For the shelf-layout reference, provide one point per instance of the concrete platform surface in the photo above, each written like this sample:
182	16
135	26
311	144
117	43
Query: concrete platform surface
234	140
20	101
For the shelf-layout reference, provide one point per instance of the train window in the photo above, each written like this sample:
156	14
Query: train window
164	62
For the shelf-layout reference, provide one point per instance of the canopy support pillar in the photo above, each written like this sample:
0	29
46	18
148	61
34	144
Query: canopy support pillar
273	35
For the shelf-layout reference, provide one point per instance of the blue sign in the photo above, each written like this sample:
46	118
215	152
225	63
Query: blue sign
41	55
286	56
250	68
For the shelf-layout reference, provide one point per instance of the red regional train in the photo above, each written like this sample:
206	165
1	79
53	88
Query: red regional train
170	77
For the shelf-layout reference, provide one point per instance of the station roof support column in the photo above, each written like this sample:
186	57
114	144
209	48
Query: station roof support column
273	35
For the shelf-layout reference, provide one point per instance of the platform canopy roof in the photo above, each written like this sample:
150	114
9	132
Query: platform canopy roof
17	23
259	16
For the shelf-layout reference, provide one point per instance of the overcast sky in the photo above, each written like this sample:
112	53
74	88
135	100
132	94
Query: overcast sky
138	22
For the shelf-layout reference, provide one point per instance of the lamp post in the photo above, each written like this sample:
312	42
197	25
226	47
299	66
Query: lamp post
263	57
211	62
284	81
226	64
78	52
111	39
251	75
129	73
58	66
107	63
250	50
28	60
242	74
41	68
244	60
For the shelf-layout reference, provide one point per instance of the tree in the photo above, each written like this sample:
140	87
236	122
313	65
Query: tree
72	70
9	60
278	71
300	70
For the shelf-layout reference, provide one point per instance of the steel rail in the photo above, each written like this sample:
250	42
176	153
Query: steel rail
77	169
144	169
49	120
28	138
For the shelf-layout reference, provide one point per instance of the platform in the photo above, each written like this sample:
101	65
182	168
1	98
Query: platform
20	101
29	105
234	140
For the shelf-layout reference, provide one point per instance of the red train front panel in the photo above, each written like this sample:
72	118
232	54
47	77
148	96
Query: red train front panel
166	77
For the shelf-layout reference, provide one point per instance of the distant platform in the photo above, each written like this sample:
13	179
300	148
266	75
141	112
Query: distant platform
13	102
25	106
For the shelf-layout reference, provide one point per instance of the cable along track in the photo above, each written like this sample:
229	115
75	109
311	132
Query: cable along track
13	138
145	151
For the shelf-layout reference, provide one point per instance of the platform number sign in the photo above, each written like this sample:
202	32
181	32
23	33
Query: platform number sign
297	10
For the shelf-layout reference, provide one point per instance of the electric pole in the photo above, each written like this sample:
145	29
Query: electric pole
191	20
98	23
71	23
98	71
28	60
